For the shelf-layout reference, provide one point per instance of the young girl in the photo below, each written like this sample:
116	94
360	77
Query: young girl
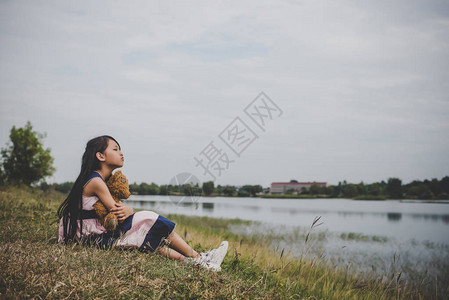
145	230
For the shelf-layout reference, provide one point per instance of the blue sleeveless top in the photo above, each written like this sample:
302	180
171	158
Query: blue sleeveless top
92	176
90	214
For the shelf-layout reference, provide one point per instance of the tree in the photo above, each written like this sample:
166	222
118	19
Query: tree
219	189
289	192
435	187
208	188
228	191
243	193
191	190
314	189
26	161
349	190
134	188
332	191
420	191
2	177
163	190
255	189
143	188
187	189
361	189
64	187
153	189
394	188
373	189
445	184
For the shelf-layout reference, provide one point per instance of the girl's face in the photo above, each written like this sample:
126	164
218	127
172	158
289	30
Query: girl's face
113	155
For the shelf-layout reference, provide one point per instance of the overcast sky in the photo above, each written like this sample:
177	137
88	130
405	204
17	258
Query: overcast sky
359	90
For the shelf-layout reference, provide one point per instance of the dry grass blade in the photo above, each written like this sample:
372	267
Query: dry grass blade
307	238
315	221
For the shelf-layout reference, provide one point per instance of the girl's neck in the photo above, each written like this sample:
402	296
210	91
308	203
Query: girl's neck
104	173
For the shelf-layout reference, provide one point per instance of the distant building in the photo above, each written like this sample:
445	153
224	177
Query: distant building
283	187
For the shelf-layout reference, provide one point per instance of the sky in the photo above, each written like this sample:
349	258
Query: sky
256	91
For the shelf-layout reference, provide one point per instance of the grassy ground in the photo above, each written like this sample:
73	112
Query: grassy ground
34	265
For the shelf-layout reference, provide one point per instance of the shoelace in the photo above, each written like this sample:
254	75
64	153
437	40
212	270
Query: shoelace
209	253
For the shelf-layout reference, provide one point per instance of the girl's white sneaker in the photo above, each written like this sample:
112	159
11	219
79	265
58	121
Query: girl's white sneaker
216	256
204	262
211	259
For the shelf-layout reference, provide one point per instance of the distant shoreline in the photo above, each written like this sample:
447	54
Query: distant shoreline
303	197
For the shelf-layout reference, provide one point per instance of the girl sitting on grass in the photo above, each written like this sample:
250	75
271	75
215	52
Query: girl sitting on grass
145	230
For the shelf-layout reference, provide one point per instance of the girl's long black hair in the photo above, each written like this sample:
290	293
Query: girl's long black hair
71	208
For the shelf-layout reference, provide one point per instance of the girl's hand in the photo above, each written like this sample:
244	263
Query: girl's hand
122	211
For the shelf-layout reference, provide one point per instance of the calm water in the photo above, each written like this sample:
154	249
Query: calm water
388	236
401	221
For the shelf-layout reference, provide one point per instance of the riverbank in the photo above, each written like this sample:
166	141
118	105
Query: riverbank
34	265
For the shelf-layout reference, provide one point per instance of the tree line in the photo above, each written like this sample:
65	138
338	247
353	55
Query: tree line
390	189
206	189
26	161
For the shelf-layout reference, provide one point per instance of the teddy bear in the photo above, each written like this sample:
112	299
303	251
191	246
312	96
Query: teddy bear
119	188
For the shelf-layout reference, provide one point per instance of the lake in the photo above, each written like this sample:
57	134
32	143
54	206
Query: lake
372	237
392	218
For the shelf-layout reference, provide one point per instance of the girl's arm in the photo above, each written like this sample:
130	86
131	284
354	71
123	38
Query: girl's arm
97	187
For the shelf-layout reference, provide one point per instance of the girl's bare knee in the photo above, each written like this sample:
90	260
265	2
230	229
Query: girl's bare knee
162	251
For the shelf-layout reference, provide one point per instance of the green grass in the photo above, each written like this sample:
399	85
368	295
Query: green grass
34	265
362	237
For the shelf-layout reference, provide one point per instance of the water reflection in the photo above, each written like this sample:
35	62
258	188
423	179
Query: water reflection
391	216
189	204
208	206
395	217
446	218
431	217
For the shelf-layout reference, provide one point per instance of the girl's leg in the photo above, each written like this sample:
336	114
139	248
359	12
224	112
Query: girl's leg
170	253
177	243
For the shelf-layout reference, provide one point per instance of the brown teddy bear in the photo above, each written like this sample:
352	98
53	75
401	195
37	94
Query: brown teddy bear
119	188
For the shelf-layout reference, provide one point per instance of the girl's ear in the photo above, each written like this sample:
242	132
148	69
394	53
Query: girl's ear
100	156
